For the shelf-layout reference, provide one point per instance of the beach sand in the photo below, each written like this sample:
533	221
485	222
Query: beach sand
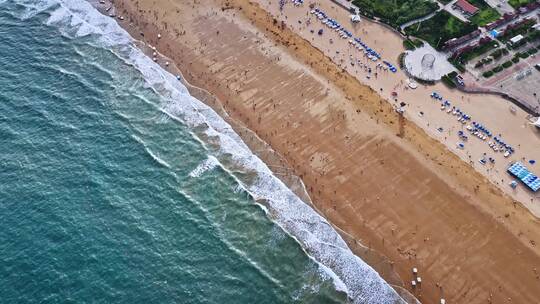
406	198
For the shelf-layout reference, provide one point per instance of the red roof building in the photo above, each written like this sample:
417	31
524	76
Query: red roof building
466	7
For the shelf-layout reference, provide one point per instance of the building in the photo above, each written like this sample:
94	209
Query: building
465	7
516	39
507	17
458	41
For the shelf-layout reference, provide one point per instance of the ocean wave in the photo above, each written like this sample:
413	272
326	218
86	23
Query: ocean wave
207	165
156	158
76	18
32	8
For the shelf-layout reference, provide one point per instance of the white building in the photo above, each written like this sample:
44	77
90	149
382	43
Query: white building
516	39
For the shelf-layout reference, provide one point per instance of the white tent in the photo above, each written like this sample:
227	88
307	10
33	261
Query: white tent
516	39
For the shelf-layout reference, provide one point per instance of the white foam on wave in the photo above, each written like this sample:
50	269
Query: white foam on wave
319	240
32	8
152	154
207	165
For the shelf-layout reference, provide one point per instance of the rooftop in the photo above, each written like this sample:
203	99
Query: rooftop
466	7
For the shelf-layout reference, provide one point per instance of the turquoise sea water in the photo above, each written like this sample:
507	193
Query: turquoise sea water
113	190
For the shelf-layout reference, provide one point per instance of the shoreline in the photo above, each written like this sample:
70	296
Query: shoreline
412	133
272	159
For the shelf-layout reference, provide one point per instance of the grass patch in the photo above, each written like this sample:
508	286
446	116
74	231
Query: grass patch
498	53
408	45
497	69
487	74
396	12
519	3
507	64
534	35
448	79
401	61
439	29
458	65
411	44
485	16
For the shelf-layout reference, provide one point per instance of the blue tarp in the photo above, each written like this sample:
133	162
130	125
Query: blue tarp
520	171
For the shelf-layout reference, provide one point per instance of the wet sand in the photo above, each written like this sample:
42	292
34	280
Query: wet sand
408	198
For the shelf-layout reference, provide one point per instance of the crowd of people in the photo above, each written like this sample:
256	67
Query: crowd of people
355	42
496	143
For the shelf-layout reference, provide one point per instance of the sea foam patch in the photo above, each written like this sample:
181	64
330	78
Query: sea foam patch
77	18
207	165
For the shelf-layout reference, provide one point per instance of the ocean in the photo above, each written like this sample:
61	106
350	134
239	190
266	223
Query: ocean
117	186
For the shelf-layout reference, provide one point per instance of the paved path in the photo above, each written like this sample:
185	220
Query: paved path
447	7
501	6
506	83
418	20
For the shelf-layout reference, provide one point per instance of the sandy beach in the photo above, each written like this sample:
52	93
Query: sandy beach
414	199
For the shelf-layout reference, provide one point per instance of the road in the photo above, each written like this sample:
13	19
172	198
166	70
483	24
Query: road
501	6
